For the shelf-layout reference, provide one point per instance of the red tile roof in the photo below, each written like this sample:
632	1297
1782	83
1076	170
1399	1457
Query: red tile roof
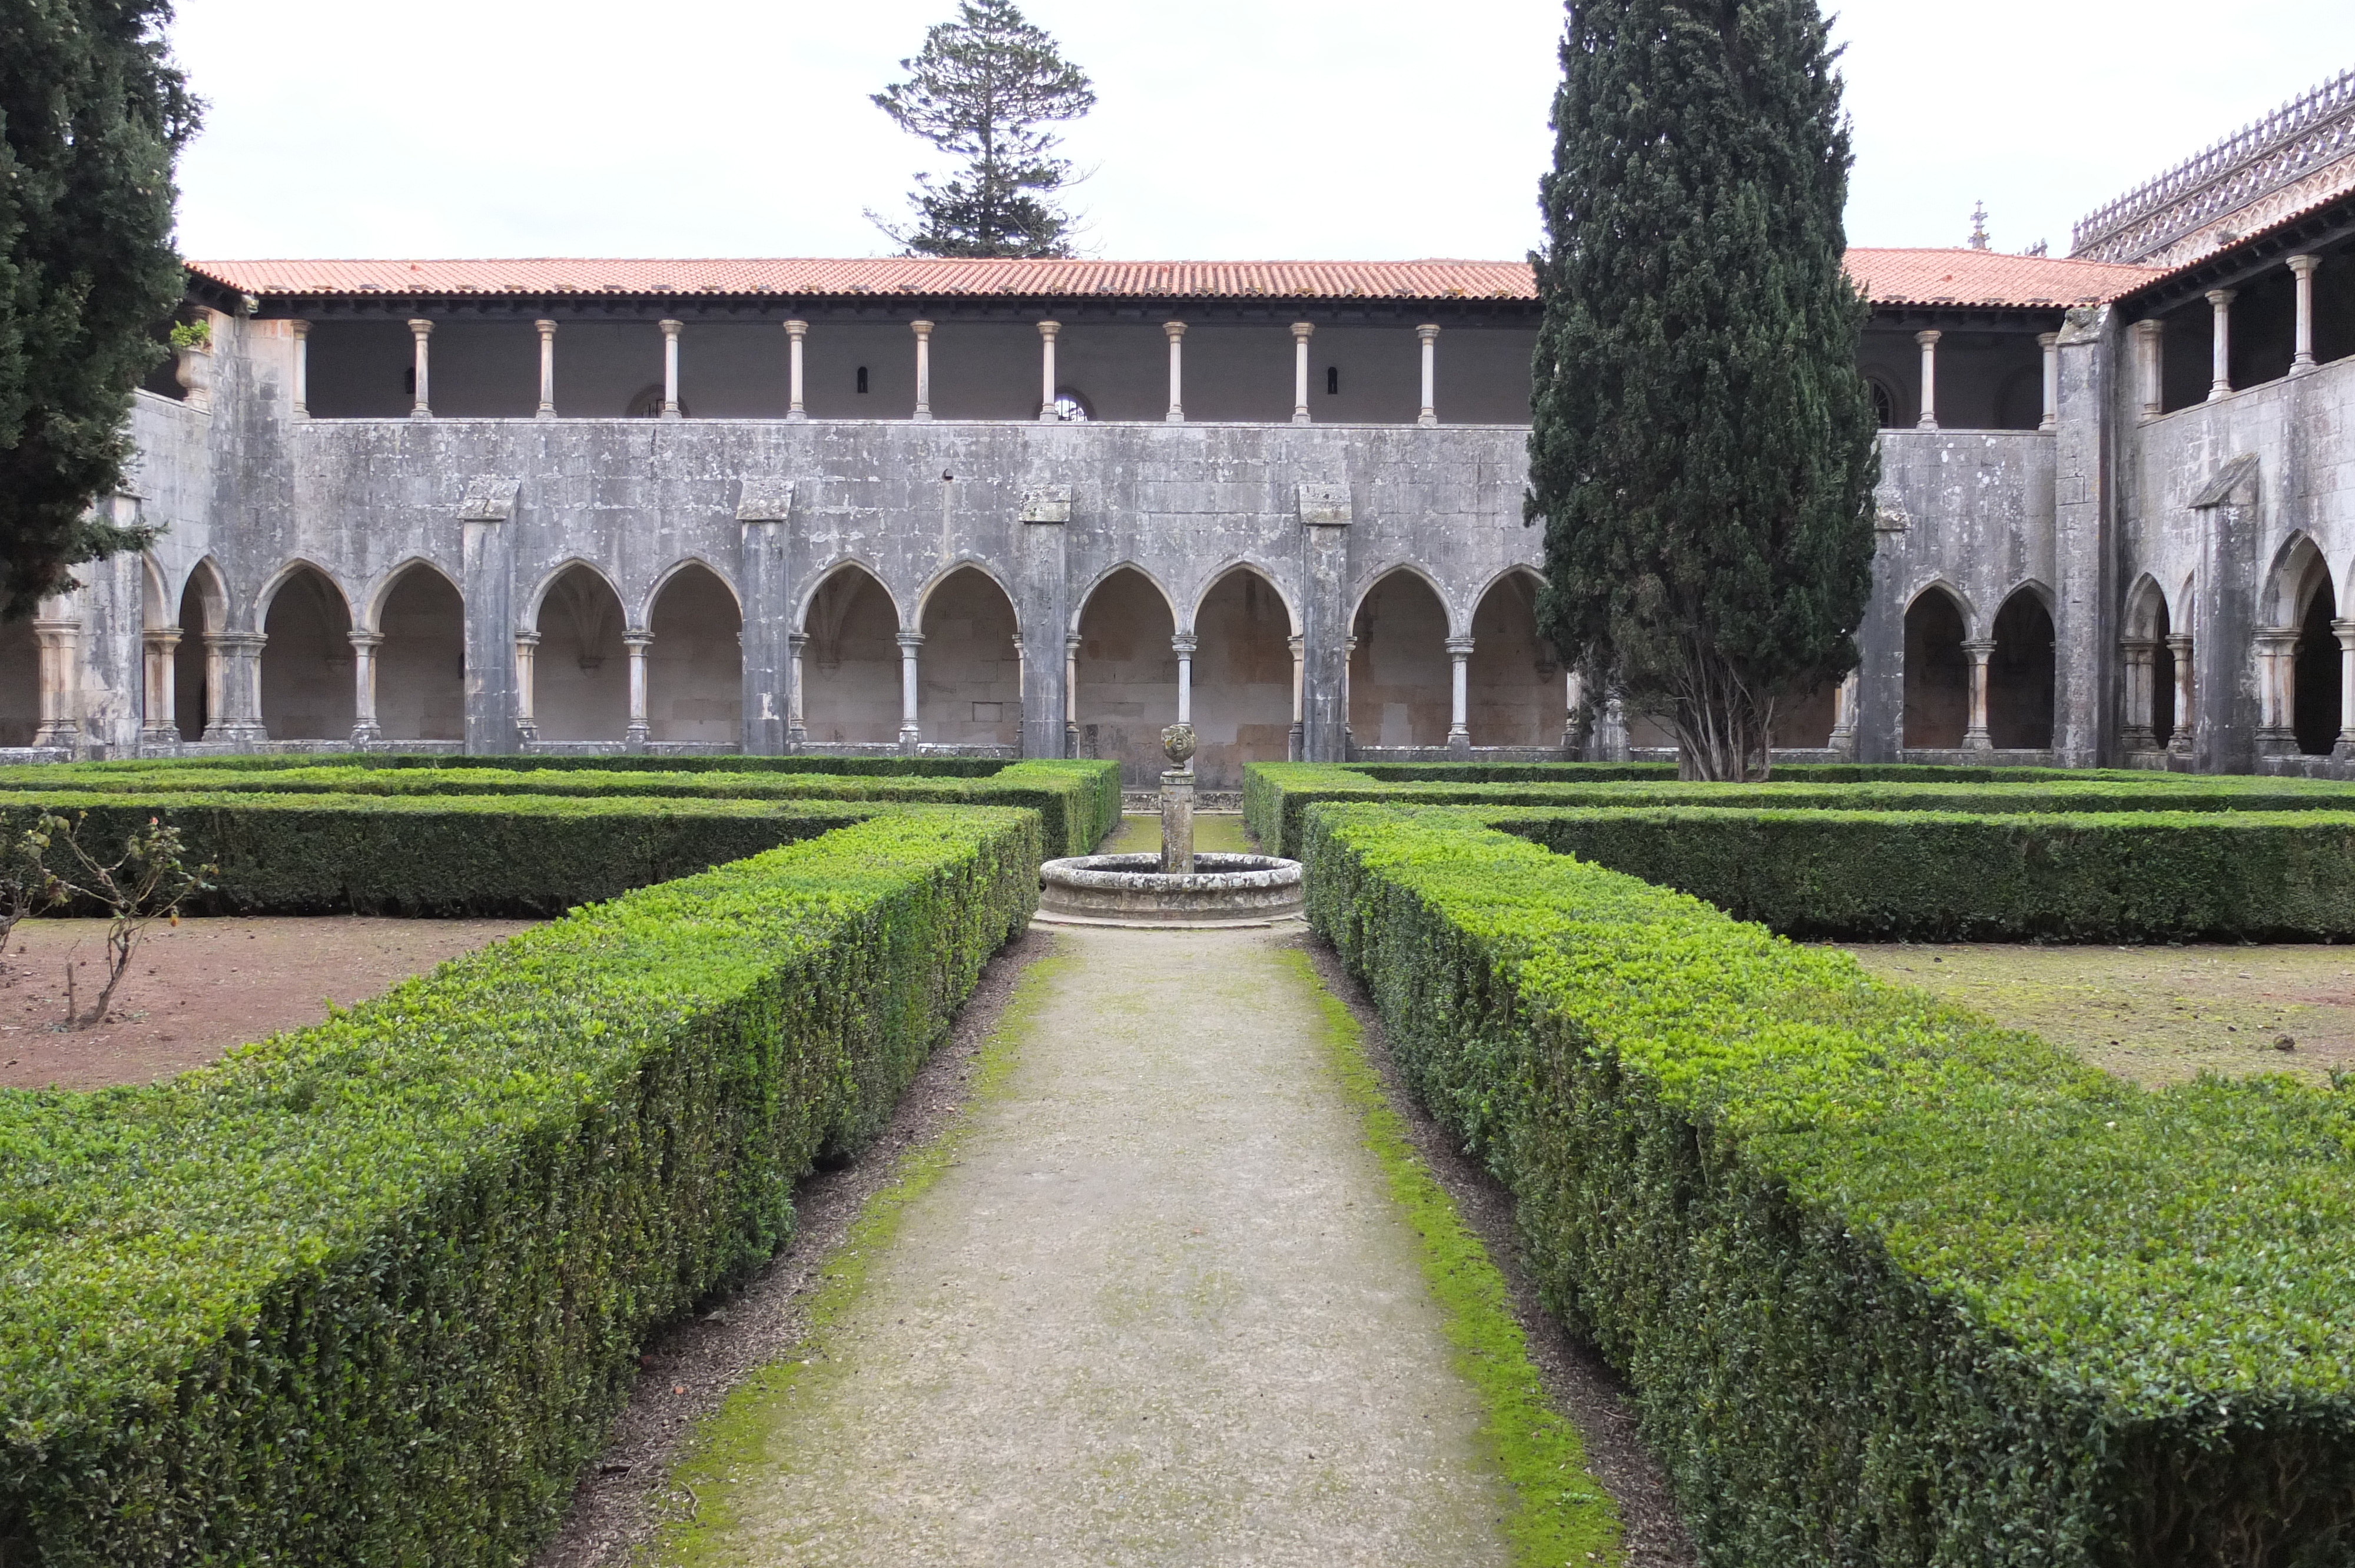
1962	277
1982	277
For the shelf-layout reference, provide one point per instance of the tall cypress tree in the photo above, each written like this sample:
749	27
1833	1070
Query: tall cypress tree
92	114
1702	445
984	88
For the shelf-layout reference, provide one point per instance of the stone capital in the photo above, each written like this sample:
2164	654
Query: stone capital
1980	648
1049	505
366	640
638	640
2219	298
1427	332
1302	331
420	326
299	327
2048	340
1049	328
671	328
547	328
1183	646
1461	647
911	640
796	329
921	328
526	638
2149	328
1928	337
1175	330
2303	266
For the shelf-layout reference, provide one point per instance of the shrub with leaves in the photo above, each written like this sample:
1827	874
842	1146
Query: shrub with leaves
144	883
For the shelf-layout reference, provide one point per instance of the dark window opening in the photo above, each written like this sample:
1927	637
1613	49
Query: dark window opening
1884	406
862	379
409	381
2315	675
1332	379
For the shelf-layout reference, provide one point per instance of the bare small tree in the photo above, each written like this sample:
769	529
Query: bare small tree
144	883
27	884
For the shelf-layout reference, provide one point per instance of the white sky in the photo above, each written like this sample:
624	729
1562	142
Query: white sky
1225	128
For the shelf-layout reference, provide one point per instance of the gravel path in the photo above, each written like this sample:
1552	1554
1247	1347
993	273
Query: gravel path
1157	1307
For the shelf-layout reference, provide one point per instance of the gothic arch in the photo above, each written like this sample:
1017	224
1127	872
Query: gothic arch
1400	685
969	669
644	616
307	690
1518	694
694	663
532	606
420	614
2021	671
580	668
1219	573
285	574
1086	596
850	624
2298	573
1455	615
1243	695
834	569
1125	672
371	615
2146	611
1936	670
965	561
1962	601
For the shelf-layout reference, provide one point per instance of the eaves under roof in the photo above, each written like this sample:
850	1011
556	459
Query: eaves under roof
1958	278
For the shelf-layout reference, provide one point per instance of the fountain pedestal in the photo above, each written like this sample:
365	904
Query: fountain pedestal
1177	801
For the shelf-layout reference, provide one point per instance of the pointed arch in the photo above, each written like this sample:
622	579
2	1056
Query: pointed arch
1518	689
305	619
1954	595
849	624
288	572
969	669
197	673
1086	596
964	561
156	606
2298	571
1244	707
689	562
819	580
530	609
371	612
2302	598
580	677
2019	674
695	665
419	613
1212	581
1430	579
1126	673
1937	671
1401	675
2146	615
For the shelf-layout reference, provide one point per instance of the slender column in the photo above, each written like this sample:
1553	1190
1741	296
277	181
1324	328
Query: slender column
1348	659
2179	644
640	732
60	652
161	725
796	729
527	658
1843	736
1046	330
546	369
923	330
1976	737
1176	331
1299	726
2345	632
2220	300
2276	655
2148	335
1929	342
421	330
670	331
302	409
2303	267
1183	646
233	679
1574	695
2137	734
2049	344
1429	333
795	332
1301	332
365	729
908	732
1459	728
1071	694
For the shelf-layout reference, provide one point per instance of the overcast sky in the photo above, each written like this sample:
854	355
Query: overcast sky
1225	128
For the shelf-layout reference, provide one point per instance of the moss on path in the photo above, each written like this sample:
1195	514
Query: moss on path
1174	1292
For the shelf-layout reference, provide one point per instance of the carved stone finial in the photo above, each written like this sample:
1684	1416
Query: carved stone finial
1978	225
1178	740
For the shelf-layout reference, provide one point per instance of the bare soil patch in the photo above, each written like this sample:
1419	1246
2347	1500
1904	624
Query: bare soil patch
199	989
2157	1015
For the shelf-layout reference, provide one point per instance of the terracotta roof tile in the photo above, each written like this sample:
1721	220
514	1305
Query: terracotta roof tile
1965	278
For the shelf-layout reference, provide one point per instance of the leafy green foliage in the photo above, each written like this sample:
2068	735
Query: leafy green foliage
1701	443
368	1292
92	114
148	881
982	88
1893	1286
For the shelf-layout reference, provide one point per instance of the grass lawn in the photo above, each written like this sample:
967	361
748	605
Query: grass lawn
1221	834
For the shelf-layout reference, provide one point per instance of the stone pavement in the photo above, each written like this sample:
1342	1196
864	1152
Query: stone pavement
1155	1305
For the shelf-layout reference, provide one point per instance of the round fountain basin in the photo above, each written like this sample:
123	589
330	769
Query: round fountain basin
1133	890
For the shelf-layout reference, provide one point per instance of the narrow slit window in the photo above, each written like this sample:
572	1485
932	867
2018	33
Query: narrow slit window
1332	380
862	379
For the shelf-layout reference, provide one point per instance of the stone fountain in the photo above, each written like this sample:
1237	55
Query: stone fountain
1176	886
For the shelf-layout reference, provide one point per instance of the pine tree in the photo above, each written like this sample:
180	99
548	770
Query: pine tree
982	88
92	113
1702	445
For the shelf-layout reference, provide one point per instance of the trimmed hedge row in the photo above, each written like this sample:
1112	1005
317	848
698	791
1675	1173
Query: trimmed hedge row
1893	1286
1080	802
368	1293
919	767
2253	876
1277	794
435	855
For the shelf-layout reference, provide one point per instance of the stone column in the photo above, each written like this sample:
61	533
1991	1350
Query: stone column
1299	745
2149	362
1459	728
1301	332
2344	631
547	330
1976	738
1326	512
235	718
486	545
527	655
2179	644
1046	330
670	331
365	729
2049	344
1573	693
923	330
910	733
764	575
59	639
796	730
1929	342
1429	333
1071	694
1176	331
302	333
2136	732
421	329
1183	646
2303	267
795	332
1042	617
2220	300
160	724
1843	736
640	731
2277	666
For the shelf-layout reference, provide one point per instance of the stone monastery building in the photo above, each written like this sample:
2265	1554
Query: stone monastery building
1046	507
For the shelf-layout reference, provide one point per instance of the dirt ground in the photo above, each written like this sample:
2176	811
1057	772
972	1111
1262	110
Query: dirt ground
2156	1015
198	990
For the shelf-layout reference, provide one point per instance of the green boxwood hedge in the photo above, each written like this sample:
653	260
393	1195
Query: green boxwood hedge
1958	877
1893	1286
1080	802
367	1293
1276	794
